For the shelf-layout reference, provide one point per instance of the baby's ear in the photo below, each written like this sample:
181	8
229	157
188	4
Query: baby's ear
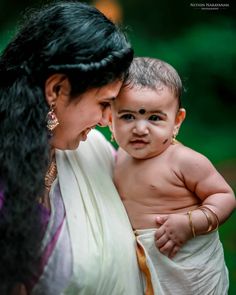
180	117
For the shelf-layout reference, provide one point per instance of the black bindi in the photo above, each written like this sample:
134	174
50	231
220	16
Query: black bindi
142	111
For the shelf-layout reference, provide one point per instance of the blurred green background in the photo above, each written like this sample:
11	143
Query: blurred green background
200	42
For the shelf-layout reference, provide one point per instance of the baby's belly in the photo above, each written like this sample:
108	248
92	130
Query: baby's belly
143	216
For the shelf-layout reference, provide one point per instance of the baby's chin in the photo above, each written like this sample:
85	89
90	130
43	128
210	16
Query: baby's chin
142	155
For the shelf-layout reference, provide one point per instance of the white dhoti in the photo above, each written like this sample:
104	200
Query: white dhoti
197	269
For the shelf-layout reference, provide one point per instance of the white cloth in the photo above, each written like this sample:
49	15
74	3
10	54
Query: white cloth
102	240
197	269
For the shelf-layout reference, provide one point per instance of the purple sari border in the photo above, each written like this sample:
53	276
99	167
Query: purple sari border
1	199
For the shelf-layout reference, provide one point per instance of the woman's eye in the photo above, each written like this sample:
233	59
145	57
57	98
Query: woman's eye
105	104
154	118
127	117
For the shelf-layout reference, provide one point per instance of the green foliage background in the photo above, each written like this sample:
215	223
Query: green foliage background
201	45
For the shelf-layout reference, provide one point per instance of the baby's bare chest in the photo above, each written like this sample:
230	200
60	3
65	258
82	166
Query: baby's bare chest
149	177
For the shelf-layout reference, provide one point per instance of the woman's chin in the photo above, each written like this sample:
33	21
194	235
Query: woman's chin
67	146
84	134
73	144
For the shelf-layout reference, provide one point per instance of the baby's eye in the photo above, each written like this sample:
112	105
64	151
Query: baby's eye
127	117
154	118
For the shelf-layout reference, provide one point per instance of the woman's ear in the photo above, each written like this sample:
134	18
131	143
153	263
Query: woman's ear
56	85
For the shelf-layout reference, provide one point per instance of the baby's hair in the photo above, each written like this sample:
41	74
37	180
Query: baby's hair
146	72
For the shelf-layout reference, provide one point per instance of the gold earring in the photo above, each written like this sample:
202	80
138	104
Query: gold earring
174	140
112	139
52	120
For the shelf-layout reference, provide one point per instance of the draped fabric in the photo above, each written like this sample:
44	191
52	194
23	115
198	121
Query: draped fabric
94	249
197	269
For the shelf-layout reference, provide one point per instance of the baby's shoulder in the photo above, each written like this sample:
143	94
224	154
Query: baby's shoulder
121	156
184	154
190	162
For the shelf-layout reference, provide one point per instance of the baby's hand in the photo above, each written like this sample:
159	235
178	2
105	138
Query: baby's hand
173	232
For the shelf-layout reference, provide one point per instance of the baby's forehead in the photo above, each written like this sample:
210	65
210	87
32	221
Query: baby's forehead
147	88
143	99
146	91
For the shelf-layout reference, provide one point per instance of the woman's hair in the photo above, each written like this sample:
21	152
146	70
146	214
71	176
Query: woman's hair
71	38
147	72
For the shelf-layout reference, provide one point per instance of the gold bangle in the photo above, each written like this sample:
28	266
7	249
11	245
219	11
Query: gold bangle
214	214
191	223
206	213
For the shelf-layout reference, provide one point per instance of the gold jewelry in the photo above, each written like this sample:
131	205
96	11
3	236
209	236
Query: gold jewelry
112	139
52	120
173	141
216	217
191	223
206	213
50	175
206	210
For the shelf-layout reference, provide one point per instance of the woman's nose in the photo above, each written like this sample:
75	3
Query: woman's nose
140	128
104	121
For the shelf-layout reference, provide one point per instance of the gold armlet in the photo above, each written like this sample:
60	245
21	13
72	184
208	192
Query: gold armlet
191	223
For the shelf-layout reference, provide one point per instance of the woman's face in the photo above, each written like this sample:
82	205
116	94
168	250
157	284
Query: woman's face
78	116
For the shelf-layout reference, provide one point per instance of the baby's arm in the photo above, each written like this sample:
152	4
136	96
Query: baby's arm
215	195
210	187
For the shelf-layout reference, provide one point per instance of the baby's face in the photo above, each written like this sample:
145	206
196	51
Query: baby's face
144	120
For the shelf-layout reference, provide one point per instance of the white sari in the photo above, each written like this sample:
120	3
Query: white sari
102	243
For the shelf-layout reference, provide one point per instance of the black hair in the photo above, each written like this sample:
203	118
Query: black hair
147	72
65	37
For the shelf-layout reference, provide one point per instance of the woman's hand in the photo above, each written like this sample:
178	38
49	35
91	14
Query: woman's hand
173	232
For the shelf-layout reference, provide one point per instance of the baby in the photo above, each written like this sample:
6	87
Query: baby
162	181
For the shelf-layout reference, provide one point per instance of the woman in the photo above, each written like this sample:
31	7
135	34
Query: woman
63	229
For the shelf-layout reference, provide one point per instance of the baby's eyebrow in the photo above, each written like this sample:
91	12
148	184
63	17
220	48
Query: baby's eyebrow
147	112
127	111
157	112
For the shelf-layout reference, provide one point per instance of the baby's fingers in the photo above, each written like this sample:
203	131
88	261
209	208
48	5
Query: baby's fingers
159	233
174	251
160	242
167	248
